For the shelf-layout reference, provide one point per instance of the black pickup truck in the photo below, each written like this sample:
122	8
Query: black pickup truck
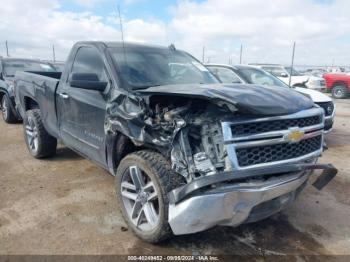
188	152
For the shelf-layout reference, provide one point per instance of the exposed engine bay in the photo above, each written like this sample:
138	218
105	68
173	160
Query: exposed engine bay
197	146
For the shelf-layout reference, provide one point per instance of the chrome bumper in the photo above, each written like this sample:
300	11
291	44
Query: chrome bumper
232	204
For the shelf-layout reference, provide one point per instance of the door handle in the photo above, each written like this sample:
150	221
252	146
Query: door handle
64	95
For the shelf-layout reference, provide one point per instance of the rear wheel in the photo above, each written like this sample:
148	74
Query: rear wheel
339	92
143	181
7	114
39	143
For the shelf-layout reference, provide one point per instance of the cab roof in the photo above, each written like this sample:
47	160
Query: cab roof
119	44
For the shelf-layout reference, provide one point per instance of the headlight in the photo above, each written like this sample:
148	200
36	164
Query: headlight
329	109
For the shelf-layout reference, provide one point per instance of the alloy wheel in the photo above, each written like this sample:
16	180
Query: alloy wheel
140	198
4	108
32	134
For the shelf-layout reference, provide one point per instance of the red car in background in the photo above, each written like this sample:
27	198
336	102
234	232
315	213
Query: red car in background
338	84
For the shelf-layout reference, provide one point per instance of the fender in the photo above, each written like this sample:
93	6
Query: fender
4	92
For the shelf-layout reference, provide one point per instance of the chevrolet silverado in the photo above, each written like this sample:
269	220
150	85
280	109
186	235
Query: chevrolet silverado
187	152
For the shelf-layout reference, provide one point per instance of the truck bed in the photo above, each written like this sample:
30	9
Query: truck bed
40	87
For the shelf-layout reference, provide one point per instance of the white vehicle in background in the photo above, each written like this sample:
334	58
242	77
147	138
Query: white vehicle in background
297	79
243	74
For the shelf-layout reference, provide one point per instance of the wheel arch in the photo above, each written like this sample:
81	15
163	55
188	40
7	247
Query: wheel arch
3	92
30	103
117	147
339	83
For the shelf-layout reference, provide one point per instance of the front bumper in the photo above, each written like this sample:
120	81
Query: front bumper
226	199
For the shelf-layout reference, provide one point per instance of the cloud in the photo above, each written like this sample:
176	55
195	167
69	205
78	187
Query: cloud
89	3
266	29
42	24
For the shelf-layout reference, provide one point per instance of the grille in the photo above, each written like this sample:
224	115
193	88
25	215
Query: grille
328	107
260	127
271	153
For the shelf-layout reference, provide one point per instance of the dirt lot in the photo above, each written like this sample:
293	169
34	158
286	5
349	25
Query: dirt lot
66	205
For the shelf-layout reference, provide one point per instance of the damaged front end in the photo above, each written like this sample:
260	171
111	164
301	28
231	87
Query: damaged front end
243	157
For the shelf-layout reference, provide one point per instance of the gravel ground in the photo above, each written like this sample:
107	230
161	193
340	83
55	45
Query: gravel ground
66	205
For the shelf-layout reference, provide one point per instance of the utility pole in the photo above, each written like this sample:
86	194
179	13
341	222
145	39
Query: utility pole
7	49
203	52
291	68
240	54
53	53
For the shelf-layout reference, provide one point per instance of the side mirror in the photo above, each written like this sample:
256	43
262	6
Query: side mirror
87	81
284	75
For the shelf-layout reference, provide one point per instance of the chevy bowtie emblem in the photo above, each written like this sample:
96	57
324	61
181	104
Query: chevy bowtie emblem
294	135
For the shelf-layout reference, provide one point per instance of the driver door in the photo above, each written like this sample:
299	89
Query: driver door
82	112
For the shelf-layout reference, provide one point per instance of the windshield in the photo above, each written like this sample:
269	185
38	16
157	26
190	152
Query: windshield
259	77
11	67
294	72
144	67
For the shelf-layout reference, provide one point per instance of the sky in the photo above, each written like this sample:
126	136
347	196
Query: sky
265	28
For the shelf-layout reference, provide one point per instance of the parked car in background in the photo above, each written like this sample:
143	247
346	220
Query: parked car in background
315	72
336	69
338	84
8	68
254	75
187	151
297	79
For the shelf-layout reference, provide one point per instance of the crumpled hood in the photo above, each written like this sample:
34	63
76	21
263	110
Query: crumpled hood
249	99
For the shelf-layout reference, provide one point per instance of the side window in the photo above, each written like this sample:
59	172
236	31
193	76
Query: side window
225	75
88	60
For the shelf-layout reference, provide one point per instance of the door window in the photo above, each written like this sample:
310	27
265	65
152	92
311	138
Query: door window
88	60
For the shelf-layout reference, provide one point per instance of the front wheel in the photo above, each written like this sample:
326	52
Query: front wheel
40	144
339	92
143	180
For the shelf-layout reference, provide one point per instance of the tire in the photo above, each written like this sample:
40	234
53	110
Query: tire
339	92
6	111
155	170
39	143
